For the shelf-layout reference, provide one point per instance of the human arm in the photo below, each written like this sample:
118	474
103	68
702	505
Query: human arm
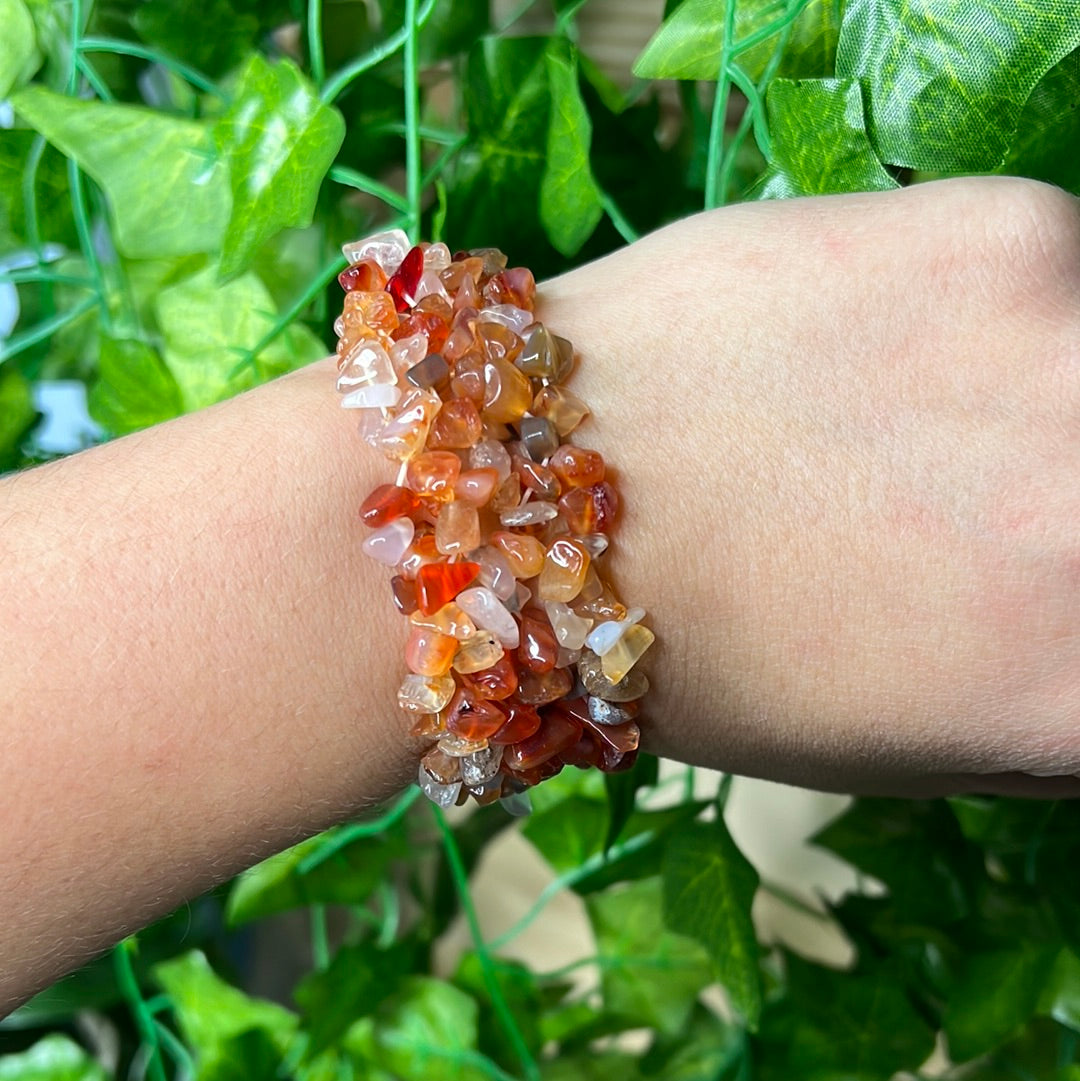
844	431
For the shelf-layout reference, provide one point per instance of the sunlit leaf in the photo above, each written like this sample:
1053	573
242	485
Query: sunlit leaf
16	43
649	975
947	81
17	413
208	325
819	142
167	193
570	205
211	1011
709	886
134	389
281	882
54	1058
278	140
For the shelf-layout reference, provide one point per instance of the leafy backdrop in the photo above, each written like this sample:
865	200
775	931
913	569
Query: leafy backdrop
176	177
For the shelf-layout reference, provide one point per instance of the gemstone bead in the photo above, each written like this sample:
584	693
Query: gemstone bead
386	503
557	731
514	286
488	454
425	694
457	529
507	496
570	628
387	249
481	766
390	542
564	571
476	486
432	372
408	352
442	795
577	467
545	355
403	593
439	583
556	404
539	648
540	688
459	746
365	275
632	686
495	572
372	396
428	324
478	652
457	427
523	720
496	682
366	363
376	311
488	612
524	554
403	282
443	767
626	652
449	619
473	717
590	510
516	319
432	474
619	737
507	392
403	435
539	436
429	653
420	553
498	341
608	713
535	513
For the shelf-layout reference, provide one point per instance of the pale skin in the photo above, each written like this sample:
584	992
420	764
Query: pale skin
847	436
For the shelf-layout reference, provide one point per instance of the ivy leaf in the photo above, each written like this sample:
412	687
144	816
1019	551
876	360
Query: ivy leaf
210	35
947	82
592	1065
709	1050
280	883
507	103
429	1030
622	789
133	389
247	1056
167	193
570	201
914	848
569	818
1048	131
54	205
996	995
211	1012
819	141
357	981
649	975
278	139
690	41
17	414
208	325
17	45
54	1058
709	886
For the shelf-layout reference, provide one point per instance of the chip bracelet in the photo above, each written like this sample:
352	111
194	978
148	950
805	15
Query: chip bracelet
521	657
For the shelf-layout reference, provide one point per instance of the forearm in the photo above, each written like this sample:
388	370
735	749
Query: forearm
199	666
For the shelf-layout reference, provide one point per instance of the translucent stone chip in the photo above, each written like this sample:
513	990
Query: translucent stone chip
570	628
404	434
626	652
459	746
534	513
517	804
442	795
539	437
373	396
565	410
478	652
457	529
388	249
488	612
607	713
564	571
389	543
481	766
490	454
631	687
425	694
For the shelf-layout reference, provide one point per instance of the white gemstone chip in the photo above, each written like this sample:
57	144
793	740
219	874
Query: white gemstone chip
389	543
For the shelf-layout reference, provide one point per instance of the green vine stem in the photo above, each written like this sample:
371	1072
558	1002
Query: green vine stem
17	343
714	196
144	1020
338	839
130	48
350	178
498	999
413	162
315	44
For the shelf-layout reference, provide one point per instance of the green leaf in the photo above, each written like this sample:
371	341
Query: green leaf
55	1058
278	140
570	201
17	45
209	325
593	1066
210	35
17	414
134	389
649	975
429	1030
996	995
520	992
508	104
569	833
1060	996
167	193
710	1050
248	1056
855	1026
914	848
709	886
1048	132
280	883
357	981
53	203
947	81
819	141
689	43
210	1011
622	789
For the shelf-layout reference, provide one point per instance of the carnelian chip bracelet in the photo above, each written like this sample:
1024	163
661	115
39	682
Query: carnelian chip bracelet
521	657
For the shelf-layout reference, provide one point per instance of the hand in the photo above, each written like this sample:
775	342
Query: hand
847	432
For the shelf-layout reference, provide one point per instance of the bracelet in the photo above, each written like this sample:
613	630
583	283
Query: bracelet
521	657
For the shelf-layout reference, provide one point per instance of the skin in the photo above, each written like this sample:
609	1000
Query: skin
846	432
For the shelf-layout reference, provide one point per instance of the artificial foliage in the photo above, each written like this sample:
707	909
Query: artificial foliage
176	178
